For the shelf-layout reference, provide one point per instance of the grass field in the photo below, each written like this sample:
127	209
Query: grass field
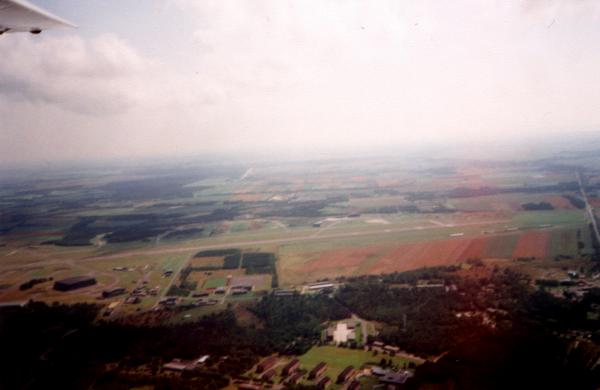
339	358
215	282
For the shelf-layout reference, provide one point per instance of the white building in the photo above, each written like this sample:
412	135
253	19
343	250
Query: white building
342	334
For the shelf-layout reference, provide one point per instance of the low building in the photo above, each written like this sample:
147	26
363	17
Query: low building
132	300
205	302
317	371
324	383
345	375
220	290
250	386
291	367
113	292
266	364
268	376
247	287
320	286
238	291
179	365
171	301
378	371
295	379
74	283
199	294
395	379
391	349
284	293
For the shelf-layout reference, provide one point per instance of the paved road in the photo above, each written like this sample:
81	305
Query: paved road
588	207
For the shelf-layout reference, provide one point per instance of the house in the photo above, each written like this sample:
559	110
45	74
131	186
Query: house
74	283
113	292
268	376
266	364
345	375
317	371
355	385
295	379
323	383
290	367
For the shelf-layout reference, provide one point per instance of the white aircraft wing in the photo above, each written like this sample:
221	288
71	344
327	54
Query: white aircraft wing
22	16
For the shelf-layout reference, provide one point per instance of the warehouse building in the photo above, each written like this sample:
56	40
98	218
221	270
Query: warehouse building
74	283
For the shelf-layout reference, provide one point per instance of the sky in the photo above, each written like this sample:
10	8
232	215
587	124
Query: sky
292	78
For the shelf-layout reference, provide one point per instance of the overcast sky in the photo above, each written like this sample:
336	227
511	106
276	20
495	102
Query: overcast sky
184	77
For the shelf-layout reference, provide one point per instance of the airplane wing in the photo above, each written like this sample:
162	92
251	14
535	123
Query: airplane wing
22	16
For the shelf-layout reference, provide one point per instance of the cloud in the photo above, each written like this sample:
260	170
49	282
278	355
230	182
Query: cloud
96	77
101	76
281	76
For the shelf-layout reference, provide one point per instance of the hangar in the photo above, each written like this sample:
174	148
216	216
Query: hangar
74	283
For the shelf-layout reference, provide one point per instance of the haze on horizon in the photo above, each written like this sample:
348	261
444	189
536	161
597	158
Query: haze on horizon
183	77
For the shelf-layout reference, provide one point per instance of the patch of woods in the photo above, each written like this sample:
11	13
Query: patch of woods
138	227
293	323
540	206
467	192
576	201
32	282
60	346
493	332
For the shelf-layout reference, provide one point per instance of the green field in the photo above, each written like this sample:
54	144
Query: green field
214	283
339	358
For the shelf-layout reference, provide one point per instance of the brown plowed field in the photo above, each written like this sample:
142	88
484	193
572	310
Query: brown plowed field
559	202
533	244
341	259
379	259
411	256
475	249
